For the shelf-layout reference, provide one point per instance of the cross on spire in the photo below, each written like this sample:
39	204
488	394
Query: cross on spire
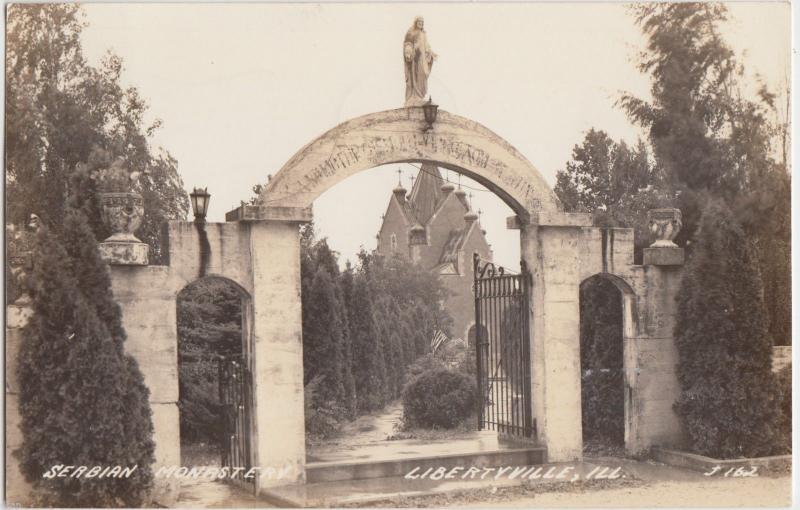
399	177
470	199
412	181
459	182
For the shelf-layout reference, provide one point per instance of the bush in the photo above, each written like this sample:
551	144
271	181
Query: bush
423	364
83	401
323	418
438	398
783	385
727	402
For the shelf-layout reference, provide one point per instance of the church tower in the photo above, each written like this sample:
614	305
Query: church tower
435	227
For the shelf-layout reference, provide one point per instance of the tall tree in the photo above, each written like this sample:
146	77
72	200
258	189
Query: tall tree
369	367
323	337
615	183
728	400
59	109
346	287
709	137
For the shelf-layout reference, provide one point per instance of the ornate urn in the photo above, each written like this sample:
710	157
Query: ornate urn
122	211
664	224
122	214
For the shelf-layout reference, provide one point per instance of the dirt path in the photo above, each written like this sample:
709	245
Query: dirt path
718	492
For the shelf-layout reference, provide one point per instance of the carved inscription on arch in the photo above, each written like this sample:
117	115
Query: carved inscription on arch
377	150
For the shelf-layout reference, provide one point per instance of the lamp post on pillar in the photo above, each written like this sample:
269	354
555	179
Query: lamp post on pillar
200	199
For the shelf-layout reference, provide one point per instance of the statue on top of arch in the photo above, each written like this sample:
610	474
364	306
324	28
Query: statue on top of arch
418	60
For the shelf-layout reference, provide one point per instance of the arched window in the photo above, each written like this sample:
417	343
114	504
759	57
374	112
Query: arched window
394	242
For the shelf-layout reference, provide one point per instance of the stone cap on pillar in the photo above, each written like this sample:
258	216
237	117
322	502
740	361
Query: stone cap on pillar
551	219
270	213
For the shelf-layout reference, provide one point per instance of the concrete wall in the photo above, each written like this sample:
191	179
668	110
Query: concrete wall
563	252
781	357
650	355
148	297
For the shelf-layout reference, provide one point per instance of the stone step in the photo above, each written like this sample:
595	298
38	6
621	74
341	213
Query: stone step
393	489
317	472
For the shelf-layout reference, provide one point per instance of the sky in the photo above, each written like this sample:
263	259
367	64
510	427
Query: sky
240	88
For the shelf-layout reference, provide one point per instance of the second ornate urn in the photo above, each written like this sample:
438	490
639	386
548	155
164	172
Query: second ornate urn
664	225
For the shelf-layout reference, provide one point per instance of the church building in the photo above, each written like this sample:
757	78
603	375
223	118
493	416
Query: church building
435	227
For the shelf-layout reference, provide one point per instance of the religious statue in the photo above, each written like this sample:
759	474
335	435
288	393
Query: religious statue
418	60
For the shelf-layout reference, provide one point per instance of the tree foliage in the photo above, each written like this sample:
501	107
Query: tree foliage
602	376
439	398
63	114
362	328
209	315
728	396
83	401
614	182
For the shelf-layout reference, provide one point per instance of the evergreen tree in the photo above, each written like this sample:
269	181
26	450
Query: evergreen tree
346	288
323	338
369	367
727	401
82	400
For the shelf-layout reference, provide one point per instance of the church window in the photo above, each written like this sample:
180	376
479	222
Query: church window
394	242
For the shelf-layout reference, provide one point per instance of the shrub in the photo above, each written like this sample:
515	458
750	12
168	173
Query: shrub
322	417
83	401
727	402
423	364
438	398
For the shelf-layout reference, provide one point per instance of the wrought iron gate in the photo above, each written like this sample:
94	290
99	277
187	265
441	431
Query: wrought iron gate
236	397
502	334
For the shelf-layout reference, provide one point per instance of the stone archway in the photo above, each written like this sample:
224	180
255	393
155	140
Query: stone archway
550	245
259	249
396	136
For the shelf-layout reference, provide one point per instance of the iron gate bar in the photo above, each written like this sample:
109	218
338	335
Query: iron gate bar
235	388
502	348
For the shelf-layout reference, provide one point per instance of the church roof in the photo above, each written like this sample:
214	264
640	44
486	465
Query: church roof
455	243
426	194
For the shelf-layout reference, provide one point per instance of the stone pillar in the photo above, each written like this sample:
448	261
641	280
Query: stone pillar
20	243
278	352
658	386
550	245
18	490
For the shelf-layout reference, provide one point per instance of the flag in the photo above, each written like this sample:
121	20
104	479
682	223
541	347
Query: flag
438	339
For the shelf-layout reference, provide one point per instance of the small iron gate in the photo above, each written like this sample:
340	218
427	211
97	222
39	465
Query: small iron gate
236	397
502	334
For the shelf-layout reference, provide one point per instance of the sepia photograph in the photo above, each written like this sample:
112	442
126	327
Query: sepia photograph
398	255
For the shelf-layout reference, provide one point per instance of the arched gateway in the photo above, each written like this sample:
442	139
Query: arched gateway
397	136
258	248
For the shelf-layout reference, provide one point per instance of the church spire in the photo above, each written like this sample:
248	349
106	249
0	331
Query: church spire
426	193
